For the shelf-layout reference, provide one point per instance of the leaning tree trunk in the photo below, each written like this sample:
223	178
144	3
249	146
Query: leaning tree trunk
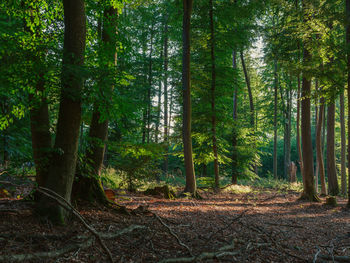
186	86
333	187
319	147
213	87
343	144
64	156
89	187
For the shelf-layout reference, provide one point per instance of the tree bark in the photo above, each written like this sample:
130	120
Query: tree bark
213	87
149	90
343	144
333	187
234	158
319	148
90	187
64	156
300	154
186	86
347	19
166	95
275	175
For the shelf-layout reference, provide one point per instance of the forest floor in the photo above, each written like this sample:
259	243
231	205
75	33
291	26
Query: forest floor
259	225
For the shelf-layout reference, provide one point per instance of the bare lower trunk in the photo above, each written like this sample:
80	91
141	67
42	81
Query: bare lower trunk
333	186
275	175
64	156
343	144
300	154
166	95
186	86
234	164
319	149
213	87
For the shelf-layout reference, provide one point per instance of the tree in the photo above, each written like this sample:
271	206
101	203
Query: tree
64	156
319	149
186	89
343	144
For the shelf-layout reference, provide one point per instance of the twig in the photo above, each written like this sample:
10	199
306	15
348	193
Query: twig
316	254
173	234
225	227
287	225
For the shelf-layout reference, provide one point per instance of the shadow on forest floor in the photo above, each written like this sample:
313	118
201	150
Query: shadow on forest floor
245	227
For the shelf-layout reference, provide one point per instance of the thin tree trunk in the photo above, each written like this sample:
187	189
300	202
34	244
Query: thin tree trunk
251	102
288	133
64	156
149	89
159	104
333	187
234	131
300	154
317	168
213	87
343	144
275	175
319	150
166	95
186	86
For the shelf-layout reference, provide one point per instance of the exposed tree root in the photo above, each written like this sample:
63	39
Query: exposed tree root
309	197
83	243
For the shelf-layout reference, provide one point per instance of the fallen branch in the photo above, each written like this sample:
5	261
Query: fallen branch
66	205
222	252
173	234
286	225
85	242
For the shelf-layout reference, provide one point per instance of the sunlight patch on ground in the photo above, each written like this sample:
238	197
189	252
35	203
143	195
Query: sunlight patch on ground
239	189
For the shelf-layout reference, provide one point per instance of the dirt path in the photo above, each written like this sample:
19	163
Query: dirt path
264	226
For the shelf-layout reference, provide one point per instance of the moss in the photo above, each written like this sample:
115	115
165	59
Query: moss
163	191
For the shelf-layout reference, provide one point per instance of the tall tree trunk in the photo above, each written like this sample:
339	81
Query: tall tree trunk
308	161
288	133
319	150
213	87
6	156
347	12
159	104
90	187
317	168
149	89
64	156
275	175
234	163
186	86
300	154
166	95
333	187
251	102
343	144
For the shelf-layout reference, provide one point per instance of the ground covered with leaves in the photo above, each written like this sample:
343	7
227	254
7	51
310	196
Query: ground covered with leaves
239	224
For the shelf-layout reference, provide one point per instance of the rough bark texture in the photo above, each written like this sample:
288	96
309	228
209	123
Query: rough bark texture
186	86
319	149
348	72
333	187
343	144
275	175
213	87
64	156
